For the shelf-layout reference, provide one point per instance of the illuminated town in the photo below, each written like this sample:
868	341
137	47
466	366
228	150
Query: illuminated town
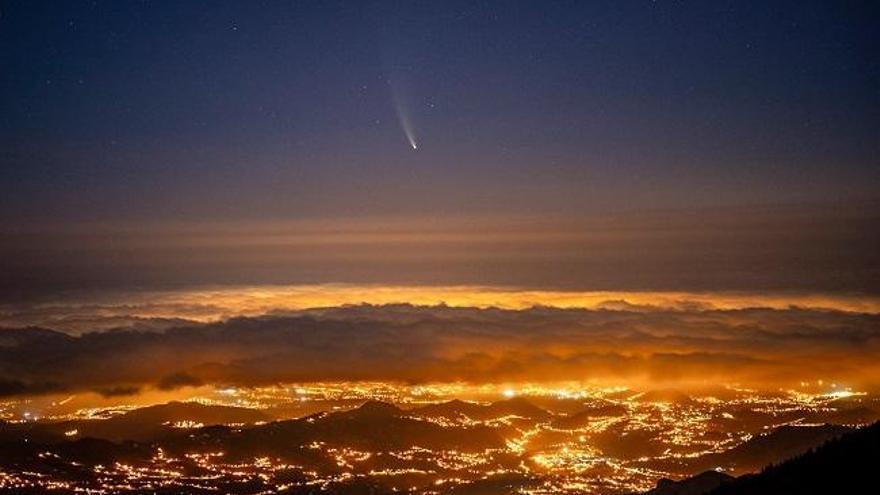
428	439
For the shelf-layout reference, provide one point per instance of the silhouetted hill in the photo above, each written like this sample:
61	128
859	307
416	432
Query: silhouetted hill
620	442
193	411
780	444
456	409
858	415
380	429
374	427
144	424
696	485
87	451
845	464
371	410
153	422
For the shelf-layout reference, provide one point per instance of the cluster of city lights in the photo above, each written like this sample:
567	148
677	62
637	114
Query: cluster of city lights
557	451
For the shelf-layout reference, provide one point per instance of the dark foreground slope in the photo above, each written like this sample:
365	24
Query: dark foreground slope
843	465
847	464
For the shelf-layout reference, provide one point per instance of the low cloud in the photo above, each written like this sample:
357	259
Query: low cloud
760	347
178	380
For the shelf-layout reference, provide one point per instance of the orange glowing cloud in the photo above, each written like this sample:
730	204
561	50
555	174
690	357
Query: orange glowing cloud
214	304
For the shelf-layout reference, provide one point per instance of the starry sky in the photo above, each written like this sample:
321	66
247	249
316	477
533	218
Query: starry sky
563	143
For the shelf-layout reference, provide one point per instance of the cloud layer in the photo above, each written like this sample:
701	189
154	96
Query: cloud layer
158	310
697	347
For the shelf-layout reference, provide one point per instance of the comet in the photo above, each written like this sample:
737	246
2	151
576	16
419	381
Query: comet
398	96
405	123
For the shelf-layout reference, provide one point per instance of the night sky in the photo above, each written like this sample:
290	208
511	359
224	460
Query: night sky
737	143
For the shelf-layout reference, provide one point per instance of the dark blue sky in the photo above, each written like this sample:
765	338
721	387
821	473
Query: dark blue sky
117	109
703	145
